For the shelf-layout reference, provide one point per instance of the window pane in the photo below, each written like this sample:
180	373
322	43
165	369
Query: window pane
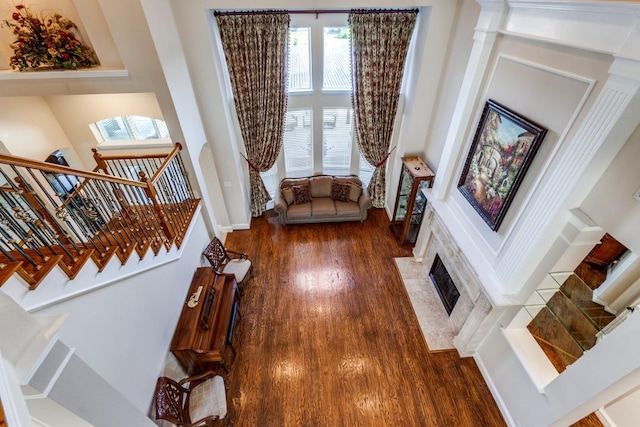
337	59
297	144
162	128
336	141
142	127
113	129
365	171
299	60
271	182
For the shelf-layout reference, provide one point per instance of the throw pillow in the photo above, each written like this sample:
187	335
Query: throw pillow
320	186
340	192
301	194
354	194
287	195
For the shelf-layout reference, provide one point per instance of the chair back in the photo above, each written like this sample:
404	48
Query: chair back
171	401
216	254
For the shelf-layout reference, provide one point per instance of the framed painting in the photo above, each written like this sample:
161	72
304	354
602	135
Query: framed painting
502	150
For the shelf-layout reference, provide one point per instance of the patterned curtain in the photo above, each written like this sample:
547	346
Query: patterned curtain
379	44
256	49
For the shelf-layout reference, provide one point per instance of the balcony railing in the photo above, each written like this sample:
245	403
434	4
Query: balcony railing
55	215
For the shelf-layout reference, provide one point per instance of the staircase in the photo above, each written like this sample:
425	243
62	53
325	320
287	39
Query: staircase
570	322
55	216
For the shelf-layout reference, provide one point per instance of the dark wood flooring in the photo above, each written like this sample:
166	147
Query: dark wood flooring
328	336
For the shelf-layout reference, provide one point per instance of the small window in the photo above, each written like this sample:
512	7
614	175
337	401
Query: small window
337	59
297	143
130	128
299	59
337	135
270	179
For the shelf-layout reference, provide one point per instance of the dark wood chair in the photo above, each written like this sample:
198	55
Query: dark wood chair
225	261
195	401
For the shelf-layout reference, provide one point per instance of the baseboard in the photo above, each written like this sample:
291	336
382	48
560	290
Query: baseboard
494	392
604	418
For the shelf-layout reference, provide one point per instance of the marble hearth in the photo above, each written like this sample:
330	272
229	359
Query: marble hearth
465	328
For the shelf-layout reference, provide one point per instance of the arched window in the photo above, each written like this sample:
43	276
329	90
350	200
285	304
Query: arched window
130	128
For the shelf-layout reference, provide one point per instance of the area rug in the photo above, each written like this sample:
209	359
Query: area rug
432	316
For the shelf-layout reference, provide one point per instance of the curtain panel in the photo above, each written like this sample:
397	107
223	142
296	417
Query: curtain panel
256	51
379	45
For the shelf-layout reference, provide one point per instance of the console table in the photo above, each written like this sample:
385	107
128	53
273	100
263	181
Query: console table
205	327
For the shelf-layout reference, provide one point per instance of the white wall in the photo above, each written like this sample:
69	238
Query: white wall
21	138
614	193
625	411
449	87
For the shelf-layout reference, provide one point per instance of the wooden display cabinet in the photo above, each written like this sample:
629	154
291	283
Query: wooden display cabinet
411	200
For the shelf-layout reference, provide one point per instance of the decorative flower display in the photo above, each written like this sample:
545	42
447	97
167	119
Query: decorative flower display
47	41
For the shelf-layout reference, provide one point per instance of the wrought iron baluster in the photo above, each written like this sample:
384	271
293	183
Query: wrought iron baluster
60	210
178	184
40	211
104	220
18	216
184	173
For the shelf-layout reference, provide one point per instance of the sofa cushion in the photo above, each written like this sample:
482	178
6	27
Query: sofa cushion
299	211
301	194
287	195
340	191
320	186
323	206
347	208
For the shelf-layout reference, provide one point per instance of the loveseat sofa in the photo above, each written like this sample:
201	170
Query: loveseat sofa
322	198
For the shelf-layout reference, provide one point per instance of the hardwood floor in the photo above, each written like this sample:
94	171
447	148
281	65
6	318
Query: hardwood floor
328	336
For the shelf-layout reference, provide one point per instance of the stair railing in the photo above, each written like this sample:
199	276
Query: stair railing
55	215
168	186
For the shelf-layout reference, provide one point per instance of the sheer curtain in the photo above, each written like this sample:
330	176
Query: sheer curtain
379	44
256	50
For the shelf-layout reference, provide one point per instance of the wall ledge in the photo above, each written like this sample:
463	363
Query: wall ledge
63	74
531	356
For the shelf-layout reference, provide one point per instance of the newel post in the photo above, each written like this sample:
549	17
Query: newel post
100	162
160	214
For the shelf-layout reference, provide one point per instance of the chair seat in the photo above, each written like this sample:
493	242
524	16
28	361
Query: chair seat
239	268
208	398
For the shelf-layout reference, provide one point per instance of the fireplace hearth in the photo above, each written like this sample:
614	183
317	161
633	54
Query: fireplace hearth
443	283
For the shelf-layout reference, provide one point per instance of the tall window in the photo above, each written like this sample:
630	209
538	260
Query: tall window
318	135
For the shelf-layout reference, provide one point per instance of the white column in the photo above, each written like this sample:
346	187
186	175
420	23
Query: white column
489	22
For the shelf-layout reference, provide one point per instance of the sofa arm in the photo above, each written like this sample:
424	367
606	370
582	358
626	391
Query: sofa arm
365	200
365	203
280	207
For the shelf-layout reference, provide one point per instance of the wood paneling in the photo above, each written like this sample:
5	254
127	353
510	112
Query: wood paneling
328	336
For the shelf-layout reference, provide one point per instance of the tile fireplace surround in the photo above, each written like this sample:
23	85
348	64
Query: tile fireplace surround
469	320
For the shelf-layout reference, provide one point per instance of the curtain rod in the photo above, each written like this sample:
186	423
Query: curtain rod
314	11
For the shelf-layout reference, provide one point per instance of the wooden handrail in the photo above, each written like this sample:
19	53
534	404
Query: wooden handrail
166	162
128	156
53	168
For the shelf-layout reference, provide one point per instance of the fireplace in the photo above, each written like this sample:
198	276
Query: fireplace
443	283
469	315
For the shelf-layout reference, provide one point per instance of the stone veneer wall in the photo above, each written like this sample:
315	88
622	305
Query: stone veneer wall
472	315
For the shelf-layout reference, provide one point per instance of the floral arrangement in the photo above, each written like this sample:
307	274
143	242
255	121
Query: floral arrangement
47	41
